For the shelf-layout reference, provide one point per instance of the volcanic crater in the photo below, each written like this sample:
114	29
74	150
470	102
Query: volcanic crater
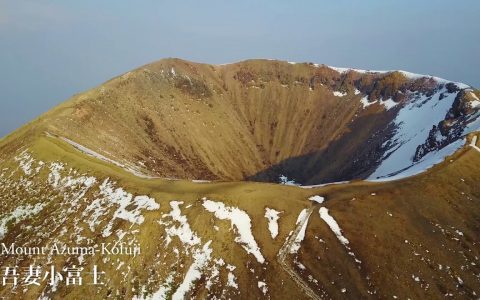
265	120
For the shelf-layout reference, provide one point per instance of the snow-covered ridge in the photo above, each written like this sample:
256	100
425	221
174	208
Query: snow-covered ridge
408	75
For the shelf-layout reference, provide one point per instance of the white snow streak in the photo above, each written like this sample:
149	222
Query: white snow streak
242	223
333	225
301	235
201	259
323	184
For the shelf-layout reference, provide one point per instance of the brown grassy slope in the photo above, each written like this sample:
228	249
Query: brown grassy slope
427	210
424	227
157	260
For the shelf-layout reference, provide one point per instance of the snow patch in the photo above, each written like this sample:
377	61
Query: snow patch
99	156
200	181
366	103
284	180
389	103
25	161
117	196
345	70
54	175
339	94
474	96
263	287
183	231
475	103
473	143
272	217
317	198
231	280
241	221
20	213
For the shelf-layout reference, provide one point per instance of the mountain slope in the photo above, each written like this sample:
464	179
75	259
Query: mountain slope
420	232
102	169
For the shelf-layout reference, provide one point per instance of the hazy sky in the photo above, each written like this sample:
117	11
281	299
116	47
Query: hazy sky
51	50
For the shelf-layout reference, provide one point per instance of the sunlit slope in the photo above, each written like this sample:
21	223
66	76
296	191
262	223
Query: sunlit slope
416	237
